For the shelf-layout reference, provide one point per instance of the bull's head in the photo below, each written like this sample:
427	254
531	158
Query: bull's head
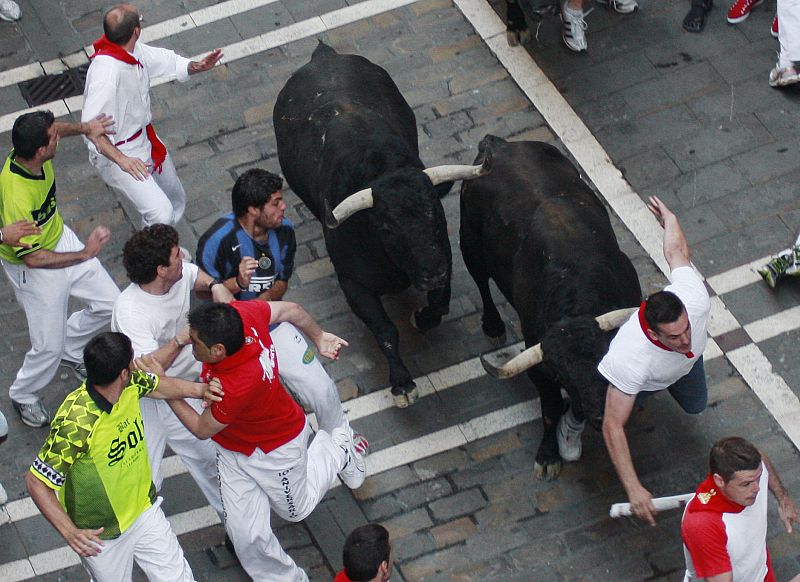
363	199
408	218
577	368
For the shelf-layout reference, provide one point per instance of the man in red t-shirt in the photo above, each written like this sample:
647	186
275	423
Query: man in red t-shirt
261	434
724	527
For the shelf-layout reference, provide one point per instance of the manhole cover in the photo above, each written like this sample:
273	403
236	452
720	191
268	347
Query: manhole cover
52	87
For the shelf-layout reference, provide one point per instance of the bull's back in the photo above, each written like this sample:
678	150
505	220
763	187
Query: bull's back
532	212
334	89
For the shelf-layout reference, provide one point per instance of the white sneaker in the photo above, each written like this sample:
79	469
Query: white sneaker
9	11
621	6
574	27
355	469
568	435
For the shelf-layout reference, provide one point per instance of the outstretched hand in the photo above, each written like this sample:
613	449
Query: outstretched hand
659	209
329	345
206	63
787	511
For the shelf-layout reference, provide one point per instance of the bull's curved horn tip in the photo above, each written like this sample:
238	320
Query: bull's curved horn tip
491	369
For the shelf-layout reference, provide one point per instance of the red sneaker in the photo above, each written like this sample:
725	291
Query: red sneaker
774	30
741	10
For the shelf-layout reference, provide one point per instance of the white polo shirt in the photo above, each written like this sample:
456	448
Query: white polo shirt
635	364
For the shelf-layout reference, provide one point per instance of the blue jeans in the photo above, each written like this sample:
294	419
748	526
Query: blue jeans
690	391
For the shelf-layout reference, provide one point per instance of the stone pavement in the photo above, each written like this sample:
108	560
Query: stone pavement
659	100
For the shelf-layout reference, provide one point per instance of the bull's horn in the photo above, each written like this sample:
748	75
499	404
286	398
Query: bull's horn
516	365
614	319
439	174
361	200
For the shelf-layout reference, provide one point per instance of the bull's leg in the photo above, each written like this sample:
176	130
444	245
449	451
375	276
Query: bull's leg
368	308
491	322
548	461
438	306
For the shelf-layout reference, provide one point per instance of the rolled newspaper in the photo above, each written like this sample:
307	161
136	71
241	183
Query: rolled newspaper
660	503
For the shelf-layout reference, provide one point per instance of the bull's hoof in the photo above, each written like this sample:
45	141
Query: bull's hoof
512	36
407	398
423	319
497	341
548	471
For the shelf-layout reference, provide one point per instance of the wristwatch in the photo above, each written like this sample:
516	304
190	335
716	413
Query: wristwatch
214	282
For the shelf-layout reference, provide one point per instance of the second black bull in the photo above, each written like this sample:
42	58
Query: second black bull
347	145
541	234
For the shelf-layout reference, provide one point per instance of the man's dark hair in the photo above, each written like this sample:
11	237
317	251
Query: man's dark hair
364	550
30	133
105	356
662	307
253	188
733	454
147	250
218	323
119	22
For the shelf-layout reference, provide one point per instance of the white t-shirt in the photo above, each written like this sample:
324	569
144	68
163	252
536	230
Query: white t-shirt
153	320
635	364
123	91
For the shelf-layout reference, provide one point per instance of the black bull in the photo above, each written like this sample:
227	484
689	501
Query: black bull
539	231
343	127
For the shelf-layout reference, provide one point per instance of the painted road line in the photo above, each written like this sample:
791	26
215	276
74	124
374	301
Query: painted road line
769	327
363	406
248	47
753	366
150	34
738	277
378	462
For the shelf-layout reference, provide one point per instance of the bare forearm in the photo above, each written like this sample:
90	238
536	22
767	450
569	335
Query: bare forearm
618	450
66	129
775	485
302	320
47	502
45	259
676	249
169	388
108	149
167	353
276	292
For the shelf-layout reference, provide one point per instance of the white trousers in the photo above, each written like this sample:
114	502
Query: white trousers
44	295
159	199
291	480
789	32
152	543
162	427
307	379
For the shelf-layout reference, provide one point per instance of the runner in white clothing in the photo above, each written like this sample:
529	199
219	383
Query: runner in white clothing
152	311
136	164
660	347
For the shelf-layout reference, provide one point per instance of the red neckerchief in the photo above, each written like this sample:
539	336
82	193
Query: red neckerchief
103	46
646	328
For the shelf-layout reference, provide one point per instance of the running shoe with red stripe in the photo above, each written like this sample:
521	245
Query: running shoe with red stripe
741	10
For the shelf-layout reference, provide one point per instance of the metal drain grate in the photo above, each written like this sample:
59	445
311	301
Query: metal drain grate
52	87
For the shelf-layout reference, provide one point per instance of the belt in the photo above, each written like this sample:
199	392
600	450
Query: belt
131	138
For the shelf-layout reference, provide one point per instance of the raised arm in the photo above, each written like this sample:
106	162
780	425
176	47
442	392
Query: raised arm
617	412
676	249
